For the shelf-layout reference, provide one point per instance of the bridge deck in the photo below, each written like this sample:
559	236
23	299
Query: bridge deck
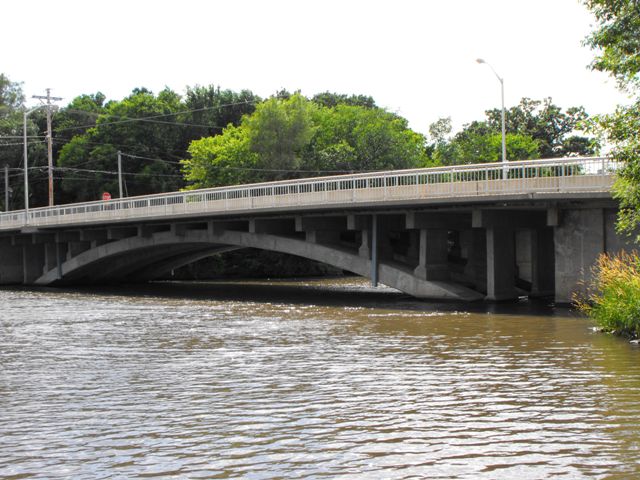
490	181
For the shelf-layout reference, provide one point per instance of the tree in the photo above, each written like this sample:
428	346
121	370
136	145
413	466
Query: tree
210	109
356	138
11	143
470	146
11	96
534	129
221	160
278	131
328	99
291	136
617	42
142	125
546	123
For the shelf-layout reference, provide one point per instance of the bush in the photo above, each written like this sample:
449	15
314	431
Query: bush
613	296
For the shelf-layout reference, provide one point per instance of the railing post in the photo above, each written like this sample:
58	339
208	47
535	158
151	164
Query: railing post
451	181
486	181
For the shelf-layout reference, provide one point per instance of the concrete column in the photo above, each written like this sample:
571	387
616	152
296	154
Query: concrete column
375	249
322	236
76	248
474	241
53	257
500	264
32	263
385	226
579	239
365	247
50	257
524	255
543	263
11	261
413	250
432	255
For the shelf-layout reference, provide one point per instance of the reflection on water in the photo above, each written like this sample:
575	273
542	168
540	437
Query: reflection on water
318	379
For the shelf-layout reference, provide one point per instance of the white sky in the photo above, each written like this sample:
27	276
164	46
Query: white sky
416	58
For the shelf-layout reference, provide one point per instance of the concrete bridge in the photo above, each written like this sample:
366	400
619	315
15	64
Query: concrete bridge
467	232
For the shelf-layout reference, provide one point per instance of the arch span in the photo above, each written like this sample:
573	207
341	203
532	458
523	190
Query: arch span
147	257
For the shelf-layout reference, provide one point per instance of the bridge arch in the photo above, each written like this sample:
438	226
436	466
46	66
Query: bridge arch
147	257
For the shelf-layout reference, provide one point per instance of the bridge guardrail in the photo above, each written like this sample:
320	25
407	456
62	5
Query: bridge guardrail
531	176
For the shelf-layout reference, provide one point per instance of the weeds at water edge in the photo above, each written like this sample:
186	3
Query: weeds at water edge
613	294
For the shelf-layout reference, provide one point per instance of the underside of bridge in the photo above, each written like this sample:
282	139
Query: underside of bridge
481	253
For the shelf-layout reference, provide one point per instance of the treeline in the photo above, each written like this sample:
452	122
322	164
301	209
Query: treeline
209	137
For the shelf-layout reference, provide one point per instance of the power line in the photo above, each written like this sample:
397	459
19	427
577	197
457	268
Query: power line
151	159
20	143
107	172
150	120
22	136
129	120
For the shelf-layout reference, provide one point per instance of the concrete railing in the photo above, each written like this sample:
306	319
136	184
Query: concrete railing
481	180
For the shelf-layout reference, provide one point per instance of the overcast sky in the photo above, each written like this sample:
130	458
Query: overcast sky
416	58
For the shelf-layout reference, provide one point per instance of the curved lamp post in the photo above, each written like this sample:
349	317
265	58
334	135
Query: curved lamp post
504	145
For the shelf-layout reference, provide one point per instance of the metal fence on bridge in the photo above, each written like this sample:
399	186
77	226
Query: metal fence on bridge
532	176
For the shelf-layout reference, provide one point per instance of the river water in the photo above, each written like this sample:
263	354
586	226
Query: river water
314	379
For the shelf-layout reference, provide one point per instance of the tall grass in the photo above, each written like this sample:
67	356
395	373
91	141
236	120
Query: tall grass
613	296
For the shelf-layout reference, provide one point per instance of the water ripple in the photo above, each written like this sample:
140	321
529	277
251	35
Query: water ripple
103	385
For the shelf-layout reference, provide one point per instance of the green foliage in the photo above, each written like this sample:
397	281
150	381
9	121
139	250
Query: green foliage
534	129
11	142
221	160
279	130
546	123
617	39
613	298
617	42
291	136
115	129
157	127
210	110
11	96
354	138
328	99
623	130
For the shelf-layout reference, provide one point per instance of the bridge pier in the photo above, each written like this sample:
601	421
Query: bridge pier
543	261
33	259
432	251
500	264
11	272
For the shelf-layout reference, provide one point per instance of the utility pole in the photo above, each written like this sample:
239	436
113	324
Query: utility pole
120	172
50	108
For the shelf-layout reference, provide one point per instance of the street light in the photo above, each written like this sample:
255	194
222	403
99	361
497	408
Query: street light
504	145
26	163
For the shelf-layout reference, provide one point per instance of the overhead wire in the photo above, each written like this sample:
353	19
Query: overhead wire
150	117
